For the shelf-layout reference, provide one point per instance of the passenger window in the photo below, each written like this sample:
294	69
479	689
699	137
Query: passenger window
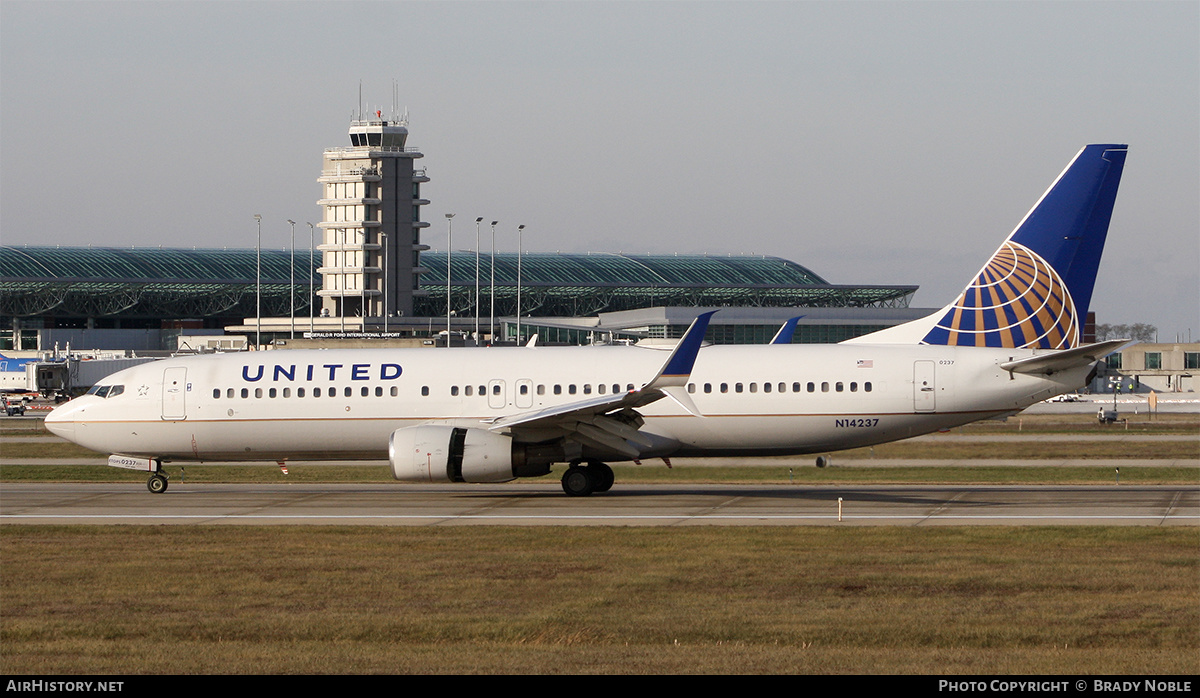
316	392
496	389
616	388
737	387
601	388
838	386
245	393
395	391
783	387
867	387
708	387
691	387
469	390
766	387
364	392
587	388
558	390
379	391
424	391
348	391
541	389
853	387
454	390
724	387
216	393
524	389
299	392
229	393
287	392
571	388
754	387
257	393
824	386
796	387
272	392
812	387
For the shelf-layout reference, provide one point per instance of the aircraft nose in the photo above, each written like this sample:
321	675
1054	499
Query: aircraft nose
61	421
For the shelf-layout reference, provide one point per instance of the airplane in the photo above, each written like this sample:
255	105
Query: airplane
1012	338
12	374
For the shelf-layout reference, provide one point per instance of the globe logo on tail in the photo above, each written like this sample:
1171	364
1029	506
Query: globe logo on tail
1018	300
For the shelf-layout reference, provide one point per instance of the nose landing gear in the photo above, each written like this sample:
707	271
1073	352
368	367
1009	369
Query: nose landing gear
157	484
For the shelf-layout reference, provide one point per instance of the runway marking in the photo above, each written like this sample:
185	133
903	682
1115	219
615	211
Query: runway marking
614	517
1171	506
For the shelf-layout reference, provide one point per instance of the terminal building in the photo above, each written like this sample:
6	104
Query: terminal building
371	276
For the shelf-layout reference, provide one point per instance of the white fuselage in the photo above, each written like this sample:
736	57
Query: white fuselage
344	404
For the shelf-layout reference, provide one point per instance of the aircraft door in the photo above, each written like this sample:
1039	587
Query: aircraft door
924	387
174	392
524	396
496	398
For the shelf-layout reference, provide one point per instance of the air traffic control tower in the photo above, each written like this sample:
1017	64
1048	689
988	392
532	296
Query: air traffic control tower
371	226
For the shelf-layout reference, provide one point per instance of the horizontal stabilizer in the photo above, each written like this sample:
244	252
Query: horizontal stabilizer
1046	364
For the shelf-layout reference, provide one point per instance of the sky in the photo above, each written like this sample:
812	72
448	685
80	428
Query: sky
875	143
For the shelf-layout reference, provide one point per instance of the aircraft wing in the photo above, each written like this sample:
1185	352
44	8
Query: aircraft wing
1047	364
611	421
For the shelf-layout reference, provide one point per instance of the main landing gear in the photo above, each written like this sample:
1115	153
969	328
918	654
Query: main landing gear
585	477
157	484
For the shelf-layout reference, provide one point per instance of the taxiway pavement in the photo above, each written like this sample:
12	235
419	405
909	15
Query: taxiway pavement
543	504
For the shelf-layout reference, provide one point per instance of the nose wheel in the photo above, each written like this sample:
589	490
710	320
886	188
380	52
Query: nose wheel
157	484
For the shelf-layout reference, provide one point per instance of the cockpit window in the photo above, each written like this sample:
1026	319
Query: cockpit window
102	391
116	390
93	389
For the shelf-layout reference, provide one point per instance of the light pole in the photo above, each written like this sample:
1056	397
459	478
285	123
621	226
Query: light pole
361	257
492	293
520	246
342	290
292	287
449	247
383	236
477	222
312	294
258	284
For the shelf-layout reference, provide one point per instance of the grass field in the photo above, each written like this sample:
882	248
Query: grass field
586	600
971	600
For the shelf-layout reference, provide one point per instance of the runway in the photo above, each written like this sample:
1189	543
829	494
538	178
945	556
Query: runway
544	504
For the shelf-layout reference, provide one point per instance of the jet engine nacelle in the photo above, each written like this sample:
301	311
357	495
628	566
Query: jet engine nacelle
434	453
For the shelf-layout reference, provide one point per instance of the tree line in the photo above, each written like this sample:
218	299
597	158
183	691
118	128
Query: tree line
1138	331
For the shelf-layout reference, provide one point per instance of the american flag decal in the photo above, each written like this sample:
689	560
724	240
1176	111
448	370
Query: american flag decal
866	363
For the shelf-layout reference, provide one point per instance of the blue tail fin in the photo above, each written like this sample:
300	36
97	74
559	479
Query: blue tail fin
1035	290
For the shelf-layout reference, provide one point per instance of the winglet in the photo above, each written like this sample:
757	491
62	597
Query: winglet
678	367
784	335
